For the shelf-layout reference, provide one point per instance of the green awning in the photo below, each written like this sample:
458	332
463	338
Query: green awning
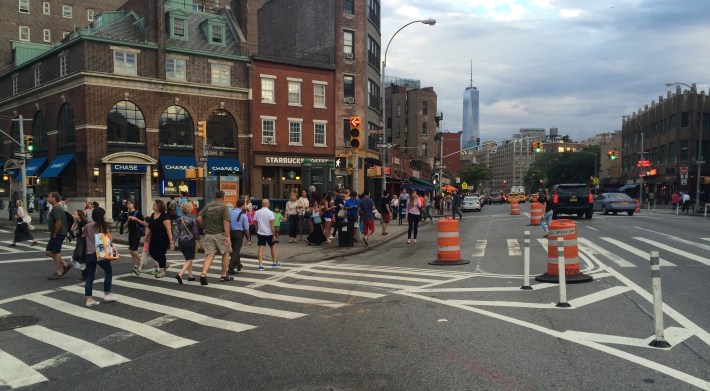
421	181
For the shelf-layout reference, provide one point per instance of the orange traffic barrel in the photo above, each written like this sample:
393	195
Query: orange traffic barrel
535	213
449	245
567	230
638	206
514	207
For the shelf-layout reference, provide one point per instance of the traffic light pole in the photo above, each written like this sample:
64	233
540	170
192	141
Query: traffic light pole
356	173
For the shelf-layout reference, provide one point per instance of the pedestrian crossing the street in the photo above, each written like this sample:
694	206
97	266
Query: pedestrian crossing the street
146	305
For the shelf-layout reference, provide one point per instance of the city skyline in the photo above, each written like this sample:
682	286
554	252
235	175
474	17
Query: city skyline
574	66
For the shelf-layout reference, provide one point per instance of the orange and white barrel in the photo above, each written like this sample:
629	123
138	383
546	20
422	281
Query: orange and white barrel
448	243
535	213
567	230
514	207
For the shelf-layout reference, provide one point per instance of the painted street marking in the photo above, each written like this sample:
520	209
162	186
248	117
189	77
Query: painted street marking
543	242
514	248
575	303
137	328
5	231
31	259
94	354
587	245
486	289
504	304
646	256
678	239
11	249
598	296
346	281
4	313
480	249
391	269
708	239
673	250
380	276
210	300
593	229
672	335
16	373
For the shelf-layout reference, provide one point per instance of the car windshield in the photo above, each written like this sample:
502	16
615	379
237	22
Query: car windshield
494	194
470	199
618	197
572	191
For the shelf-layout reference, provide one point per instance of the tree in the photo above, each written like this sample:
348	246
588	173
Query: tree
474	173
564	167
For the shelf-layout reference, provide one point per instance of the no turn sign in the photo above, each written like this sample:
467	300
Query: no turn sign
684	170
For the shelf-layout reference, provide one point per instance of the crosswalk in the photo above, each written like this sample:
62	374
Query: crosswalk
630	252
145	305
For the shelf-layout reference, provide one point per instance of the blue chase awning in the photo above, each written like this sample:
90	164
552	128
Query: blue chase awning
57	166
174	166
225	165
32	166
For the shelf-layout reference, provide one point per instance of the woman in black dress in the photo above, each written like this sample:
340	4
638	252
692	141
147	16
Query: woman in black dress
161	235
22	229
317	237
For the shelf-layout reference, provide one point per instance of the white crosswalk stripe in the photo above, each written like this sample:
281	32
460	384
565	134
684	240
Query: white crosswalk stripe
643	254
594	248
480	249
703	260
514	248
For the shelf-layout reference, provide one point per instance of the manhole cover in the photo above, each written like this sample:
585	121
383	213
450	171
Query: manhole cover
12	322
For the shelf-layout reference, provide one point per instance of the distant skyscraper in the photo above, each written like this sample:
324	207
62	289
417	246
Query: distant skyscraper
471	135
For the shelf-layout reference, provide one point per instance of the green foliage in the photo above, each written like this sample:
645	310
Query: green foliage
473	174
564	167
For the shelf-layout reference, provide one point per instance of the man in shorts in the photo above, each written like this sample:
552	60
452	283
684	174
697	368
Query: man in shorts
266	233
57	222
214	219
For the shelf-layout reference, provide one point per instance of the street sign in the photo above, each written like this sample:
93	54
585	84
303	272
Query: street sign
684	181
464	186
440	167
643	163
23	155
203	159
354	122
383	146
684	170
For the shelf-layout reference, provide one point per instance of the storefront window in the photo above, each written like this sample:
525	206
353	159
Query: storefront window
221	130
125	124
176	128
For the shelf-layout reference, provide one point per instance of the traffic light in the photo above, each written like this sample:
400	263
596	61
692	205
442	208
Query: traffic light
29	143
611	155
355	133
202	129
537	146
435	178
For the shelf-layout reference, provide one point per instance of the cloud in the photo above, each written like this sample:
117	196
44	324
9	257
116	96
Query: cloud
574	64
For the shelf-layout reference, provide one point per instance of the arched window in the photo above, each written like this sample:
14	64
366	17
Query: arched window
176	128
39	131
125	124
15	131
221	130
66	128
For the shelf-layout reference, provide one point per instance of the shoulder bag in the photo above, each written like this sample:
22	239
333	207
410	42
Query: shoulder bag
189	232
105	251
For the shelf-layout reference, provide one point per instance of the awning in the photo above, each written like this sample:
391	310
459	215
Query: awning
2	164
417	187
32	166
224	165
421	181
174	166
57	166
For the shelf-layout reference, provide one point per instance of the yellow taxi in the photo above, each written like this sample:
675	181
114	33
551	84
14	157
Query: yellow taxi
520	197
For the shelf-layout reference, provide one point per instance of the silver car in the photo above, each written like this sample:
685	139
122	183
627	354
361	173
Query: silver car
471	203
614	203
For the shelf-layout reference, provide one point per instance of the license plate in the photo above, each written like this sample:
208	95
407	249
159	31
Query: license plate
573	199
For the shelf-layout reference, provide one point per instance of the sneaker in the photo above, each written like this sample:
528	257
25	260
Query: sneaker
91	303
155	272
109	298
415	241
66	267
408	241
56	276
160	275
366	240
275	265
231	271
261	268
135	271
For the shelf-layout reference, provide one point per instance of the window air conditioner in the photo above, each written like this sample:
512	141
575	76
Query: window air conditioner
350	100
349	56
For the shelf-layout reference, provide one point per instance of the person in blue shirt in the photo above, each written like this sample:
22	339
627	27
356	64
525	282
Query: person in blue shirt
183	199
366	206
238	229
351	211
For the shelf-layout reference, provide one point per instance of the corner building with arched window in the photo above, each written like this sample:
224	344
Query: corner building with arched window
113	109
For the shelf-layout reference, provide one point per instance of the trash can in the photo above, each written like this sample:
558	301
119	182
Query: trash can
345	234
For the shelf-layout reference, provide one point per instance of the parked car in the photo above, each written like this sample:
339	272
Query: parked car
573	199
471	203
496	198
481	199
614	203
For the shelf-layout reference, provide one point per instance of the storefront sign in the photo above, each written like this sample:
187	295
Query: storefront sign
287	161
230	189
122	167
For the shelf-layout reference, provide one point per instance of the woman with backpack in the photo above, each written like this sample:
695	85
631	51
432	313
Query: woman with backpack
186	236
98	226
22	229
136	229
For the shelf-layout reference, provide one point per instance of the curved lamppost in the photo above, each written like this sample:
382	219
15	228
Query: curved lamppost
429	22
700	140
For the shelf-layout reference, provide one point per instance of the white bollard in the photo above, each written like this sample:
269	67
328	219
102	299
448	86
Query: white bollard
526	263
659	342
561	273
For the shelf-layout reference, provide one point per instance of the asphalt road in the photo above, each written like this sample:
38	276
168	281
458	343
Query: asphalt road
382	320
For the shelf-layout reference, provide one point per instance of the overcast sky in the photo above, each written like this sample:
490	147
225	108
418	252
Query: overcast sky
577	65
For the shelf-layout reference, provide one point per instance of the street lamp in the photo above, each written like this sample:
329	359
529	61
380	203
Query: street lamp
700	140
429	22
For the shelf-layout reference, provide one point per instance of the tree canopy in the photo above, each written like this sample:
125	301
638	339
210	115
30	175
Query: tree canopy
474	173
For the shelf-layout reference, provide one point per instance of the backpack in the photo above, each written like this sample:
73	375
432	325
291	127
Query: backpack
141	228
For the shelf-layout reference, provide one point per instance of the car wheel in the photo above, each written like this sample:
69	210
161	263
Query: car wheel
580	215
614	213
604	210
631	213
589	215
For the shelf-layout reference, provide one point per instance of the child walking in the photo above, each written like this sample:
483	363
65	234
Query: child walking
277	222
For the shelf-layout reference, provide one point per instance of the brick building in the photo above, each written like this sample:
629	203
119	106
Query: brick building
114	107
413	112
667	132
293	117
